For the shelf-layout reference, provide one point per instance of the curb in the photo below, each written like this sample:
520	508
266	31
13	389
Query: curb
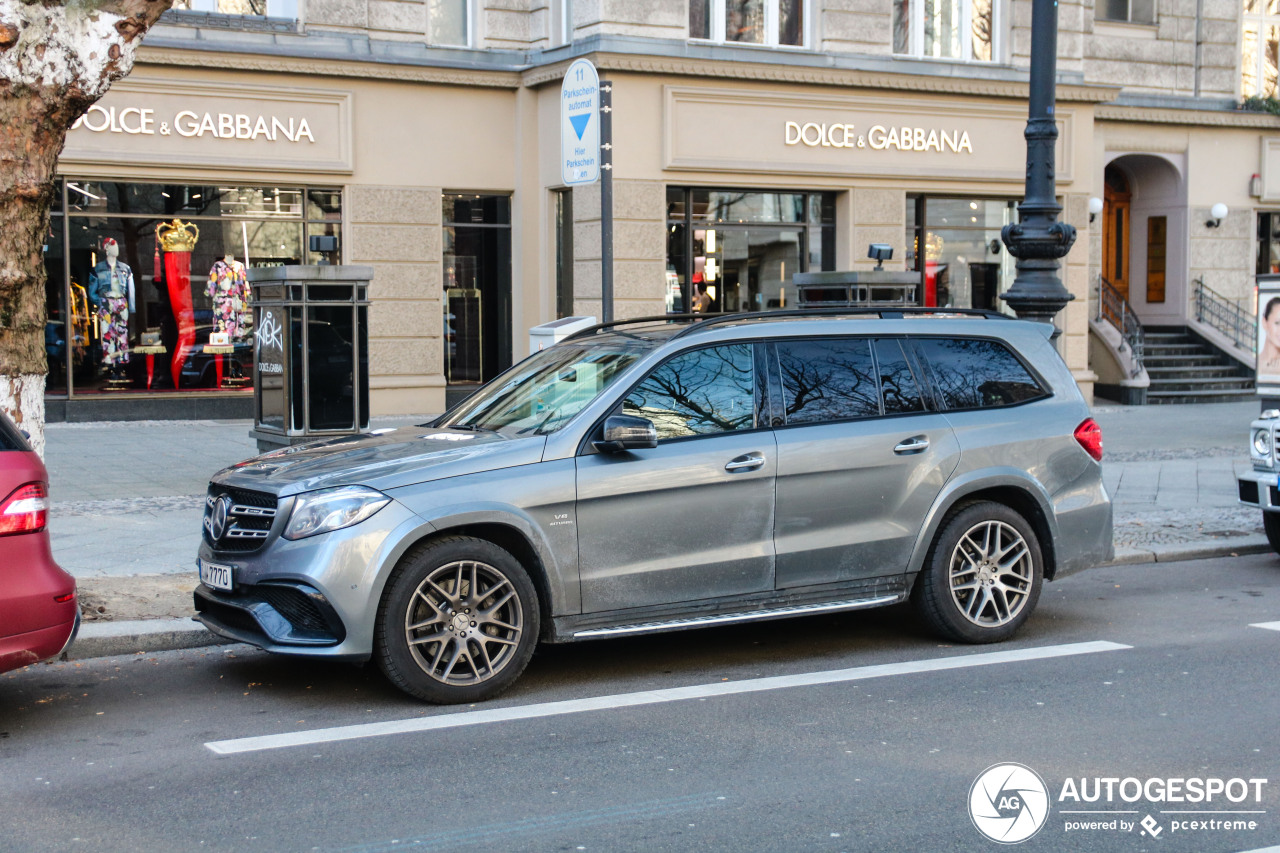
1233	547
108	639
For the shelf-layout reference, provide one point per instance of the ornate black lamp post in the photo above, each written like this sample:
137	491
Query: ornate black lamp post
1038	239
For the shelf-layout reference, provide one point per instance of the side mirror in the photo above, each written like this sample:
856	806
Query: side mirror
627	432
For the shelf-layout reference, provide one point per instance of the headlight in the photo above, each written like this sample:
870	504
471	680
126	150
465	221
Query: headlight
332	509
1262	443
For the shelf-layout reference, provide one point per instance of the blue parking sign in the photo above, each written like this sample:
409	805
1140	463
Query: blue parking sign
580	124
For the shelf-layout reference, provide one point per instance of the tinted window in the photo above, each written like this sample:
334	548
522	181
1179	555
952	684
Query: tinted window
828	380
10	438
974	374
699	392
899	390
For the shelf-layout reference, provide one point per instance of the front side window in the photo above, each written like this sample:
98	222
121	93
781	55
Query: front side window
700	392
977	374
966	30
767	22
1126	11
1260	47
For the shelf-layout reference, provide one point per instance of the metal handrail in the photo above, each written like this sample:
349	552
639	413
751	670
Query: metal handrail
1115	309
1226	316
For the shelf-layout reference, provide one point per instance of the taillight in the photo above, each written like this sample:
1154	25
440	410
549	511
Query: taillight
1089	434
25	511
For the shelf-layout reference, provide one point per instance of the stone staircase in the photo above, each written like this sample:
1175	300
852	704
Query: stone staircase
1185	369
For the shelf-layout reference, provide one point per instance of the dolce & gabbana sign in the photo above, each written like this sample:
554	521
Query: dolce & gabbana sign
727	130
878	138
243	127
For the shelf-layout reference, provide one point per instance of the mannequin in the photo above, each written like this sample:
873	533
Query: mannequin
111	291
229	290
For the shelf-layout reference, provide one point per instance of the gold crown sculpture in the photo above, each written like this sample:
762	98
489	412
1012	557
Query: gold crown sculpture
177	236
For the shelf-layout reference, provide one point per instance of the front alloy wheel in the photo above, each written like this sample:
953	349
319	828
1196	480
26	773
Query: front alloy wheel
458	623
983	575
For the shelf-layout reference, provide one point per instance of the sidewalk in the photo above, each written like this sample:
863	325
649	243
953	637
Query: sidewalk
128	500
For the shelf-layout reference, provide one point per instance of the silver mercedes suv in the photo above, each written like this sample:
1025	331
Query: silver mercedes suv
670	473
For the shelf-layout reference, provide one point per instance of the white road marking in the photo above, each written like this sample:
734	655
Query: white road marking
650	697
1270	626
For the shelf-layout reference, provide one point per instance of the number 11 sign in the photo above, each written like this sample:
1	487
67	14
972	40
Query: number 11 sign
580	124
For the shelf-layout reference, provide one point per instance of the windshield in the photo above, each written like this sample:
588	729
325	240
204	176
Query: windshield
540	394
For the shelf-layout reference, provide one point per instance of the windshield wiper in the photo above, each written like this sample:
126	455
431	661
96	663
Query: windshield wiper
470	428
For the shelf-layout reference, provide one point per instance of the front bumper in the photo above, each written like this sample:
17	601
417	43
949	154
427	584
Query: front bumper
267	615
316	596
1259	488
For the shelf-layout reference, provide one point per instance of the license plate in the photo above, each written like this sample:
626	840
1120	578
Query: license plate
215	575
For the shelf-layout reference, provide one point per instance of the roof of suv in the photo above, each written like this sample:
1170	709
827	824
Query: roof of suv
666	327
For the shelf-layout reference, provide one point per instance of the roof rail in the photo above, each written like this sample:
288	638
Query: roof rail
886	313
701	321
657	318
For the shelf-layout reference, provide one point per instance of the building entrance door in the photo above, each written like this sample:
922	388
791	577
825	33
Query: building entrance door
1115	231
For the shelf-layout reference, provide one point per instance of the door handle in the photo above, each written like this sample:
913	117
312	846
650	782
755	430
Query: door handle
915	444
745	462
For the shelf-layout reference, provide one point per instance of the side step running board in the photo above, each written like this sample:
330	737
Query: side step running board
729	618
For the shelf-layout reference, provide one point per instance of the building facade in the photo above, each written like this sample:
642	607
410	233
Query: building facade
754	140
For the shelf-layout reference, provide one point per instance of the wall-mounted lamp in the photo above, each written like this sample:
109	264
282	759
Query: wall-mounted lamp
1095	207
1218	212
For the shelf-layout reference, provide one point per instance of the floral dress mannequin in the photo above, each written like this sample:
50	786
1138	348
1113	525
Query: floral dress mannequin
229	290
111	291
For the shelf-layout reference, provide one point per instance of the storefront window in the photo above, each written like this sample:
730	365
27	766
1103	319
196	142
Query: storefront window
267	8
955	244
448	22
768	22
1126	11
148	286
477	287
967	30
564	253
1260	47
737	250
1268	243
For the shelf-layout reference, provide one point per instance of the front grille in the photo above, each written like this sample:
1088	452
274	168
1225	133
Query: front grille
296	606
248	518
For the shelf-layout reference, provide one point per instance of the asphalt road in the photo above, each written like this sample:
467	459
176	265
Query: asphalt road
112	754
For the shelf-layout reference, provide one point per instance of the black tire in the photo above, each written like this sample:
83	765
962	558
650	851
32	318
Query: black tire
438	639
965	595
1271	524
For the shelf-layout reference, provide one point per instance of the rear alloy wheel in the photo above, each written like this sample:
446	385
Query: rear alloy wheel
458	622
1271	524
983	574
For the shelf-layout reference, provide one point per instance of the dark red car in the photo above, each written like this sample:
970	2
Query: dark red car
39	615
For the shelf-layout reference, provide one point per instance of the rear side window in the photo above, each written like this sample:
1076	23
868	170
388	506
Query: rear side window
10	438
831	379
898	386
977	374
700	392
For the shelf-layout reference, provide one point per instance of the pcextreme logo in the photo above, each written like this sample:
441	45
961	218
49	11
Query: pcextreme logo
1009	803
